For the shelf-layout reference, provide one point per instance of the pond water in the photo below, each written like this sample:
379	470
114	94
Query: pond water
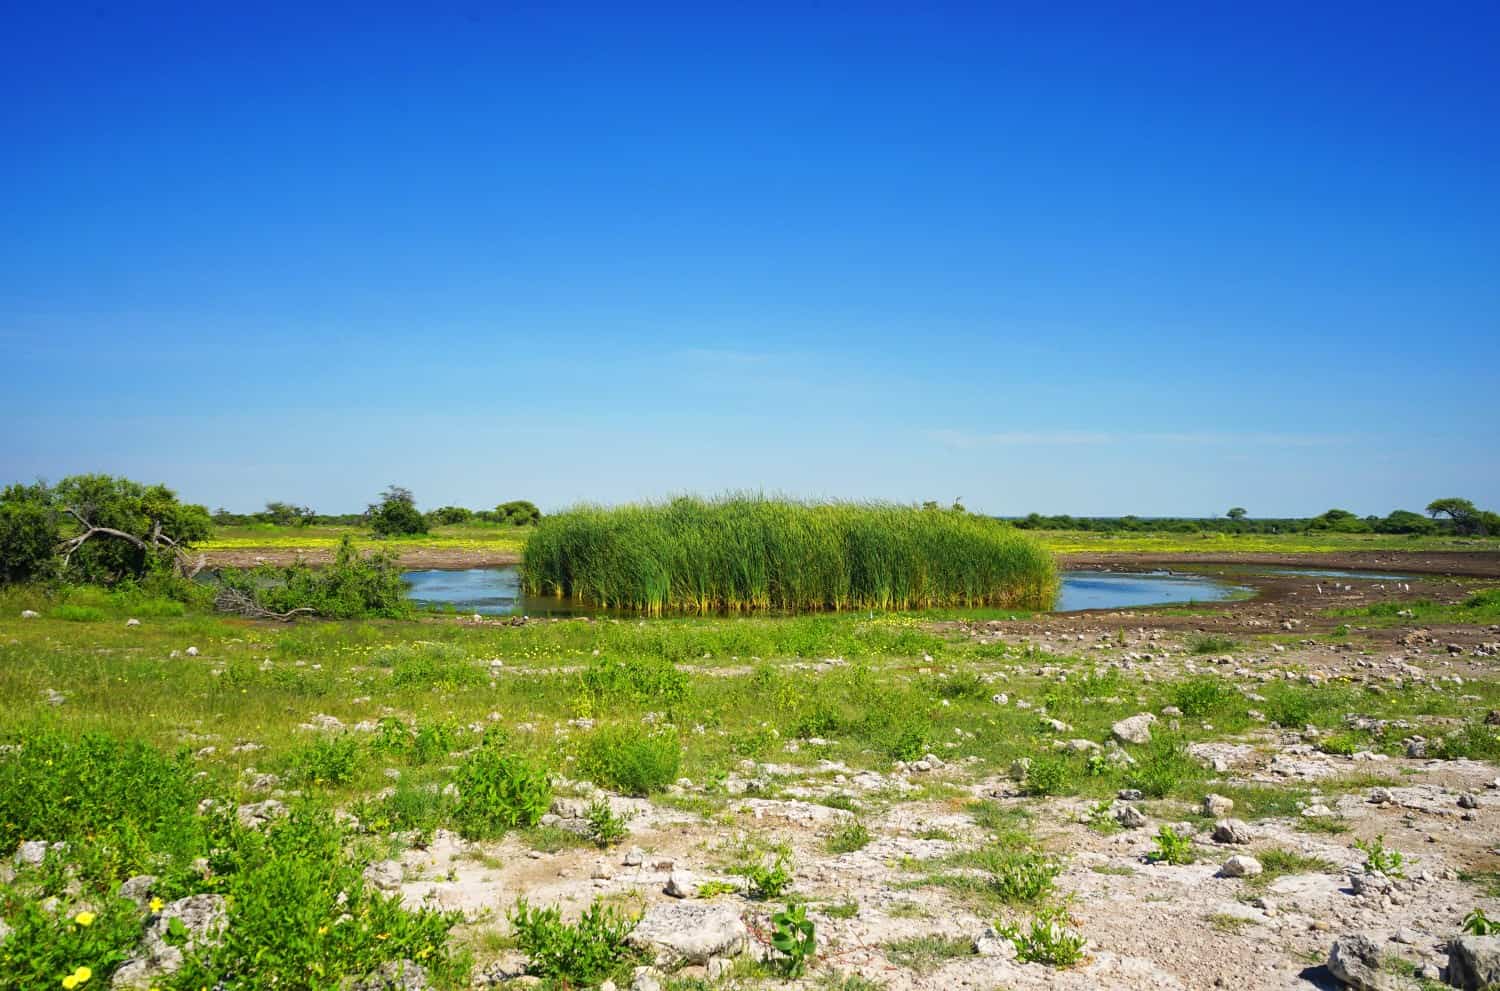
497	591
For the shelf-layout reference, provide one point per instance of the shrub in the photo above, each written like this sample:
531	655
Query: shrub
1163	767
1380	858
41	945
499	791
1172	848
1212	644
740	554
767	876
298	904
331	761
583	953
1047	775
848	838
352	587
28	537
1049	939
642	680
1200	696
133	801
1021	875
631	760
605	827
396	514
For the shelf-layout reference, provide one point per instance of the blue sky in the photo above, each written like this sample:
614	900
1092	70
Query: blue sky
1063	257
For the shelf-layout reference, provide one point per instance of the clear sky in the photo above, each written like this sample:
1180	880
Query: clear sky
1102	259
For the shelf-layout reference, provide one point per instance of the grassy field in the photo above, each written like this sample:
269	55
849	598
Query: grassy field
512	541
1089	542
122	741
463	536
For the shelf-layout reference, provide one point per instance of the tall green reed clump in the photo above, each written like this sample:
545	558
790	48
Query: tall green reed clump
743	554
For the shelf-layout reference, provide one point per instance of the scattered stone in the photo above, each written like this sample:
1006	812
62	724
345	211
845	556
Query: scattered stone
1355	960
192	652
31	852
1231	831
385	874
395	975
1136	729
1240	865
691	932
202	916
681	884
1130	817
1468	800
1474	962
132	622
138	889
29	614
634	857
257	814
1217	806
1129	795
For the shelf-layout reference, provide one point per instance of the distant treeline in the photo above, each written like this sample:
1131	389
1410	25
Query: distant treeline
516	513
1459	517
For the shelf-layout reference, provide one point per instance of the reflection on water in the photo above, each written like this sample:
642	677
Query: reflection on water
497	591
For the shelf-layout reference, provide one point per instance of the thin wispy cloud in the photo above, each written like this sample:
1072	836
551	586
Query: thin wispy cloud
965	439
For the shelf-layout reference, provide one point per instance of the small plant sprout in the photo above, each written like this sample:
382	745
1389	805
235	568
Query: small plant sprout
793	936
1172	848
1381	859
1049	939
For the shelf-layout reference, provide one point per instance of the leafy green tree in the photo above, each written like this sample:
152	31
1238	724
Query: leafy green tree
518	513
103	529
1340	520
449	515
1405	521
396	513
1237	513
28	534
287	514
1466	518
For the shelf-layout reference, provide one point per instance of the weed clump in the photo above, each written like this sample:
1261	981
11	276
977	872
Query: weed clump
499	791
630	759
584	953
354	586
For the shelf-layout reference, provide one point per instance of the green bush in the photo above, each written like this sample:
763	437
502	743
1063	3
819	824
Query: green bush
298	904
1203	695
630	759
396	514
1172	848
639	680
352	587
125	800
1048	775
41	947
28	537
1049	939
739	554
498	791
585	953
330	761
1163	767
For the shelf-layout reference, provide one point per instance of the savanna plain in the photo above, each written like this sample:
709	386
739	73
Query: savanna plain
886	767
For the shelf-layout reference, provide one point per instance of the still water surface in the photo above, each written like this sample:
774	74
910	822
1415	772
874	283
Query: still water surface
497	591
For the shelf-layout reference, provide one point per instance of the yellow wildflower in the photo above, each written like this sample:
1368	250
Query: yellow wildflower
84	919
77	979
156	904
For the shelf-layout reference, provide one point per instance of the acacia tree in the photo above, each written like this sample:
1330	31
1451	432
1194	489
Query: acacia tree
1237	513
1466	517
396	513
288	514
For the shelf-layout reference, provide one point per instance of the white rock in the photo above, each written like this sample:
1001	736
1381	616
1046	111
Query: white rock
681	884
1136	729
1240	865
691	932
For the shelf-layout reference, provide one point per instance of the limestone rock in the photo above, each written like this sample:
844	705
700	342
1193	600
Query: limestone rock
1136	729
681	884
1474	961
1231	831
202	915
1355	960
1240	865
691	932
1217	806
